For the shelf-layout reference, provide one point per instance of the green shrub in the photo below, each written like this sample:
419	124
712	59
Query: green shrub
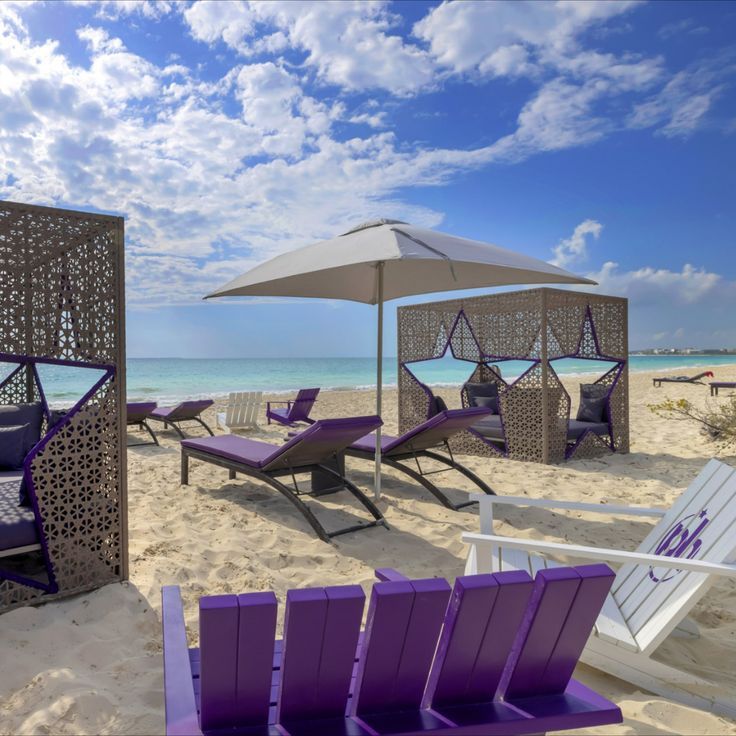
718	421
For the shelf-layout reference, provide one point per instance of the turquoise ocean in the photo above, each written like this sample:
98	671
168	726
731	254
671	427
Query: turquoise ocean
174	379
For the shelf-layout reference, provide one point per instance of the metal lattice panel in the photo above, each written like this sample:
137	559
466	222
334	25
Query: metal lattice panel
540	325
62	297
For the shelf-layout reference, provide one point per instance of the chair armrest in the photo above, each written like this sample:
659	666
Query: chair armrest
485	500
181	708
388	574
596	553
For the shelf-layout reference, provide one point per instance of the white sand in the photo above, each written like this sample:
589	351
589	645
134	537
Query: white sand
93	664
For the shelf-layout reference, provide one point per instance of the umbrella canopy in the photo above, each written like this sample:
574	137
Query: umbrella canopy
416	261
388	259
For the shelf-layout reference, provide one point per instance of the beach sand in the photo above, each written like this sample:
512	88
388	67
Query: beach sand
92	664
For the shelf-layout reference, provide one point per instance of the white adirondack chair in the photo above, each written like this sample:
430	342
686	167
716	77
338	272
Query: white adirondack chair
241	412
655	587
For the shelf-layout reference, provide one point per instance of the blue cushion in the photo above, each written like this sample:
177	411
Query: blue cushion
17	525
487	402
31	414
13	446
477	392
436	405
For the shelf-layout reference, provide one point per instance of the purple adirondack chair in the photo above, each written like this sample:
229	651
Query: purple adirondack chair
498	659
296	410
137	415
420	442
187	411
314	449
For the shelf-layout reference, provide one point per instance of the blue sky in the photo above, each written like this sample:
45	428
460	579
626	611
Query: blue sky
600	136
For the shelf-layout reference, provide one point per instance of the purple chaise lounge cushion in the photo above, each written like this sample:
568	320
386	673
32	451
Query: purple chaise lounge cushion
232	447
368	443
17	524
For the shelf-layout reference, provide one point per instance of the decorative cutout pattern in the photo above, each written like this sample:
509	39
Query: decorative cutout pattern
61	297
540	325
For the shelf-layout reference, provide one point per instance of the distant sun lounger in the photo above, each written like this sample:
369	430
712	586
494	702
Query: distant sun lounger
137	415
421	443
187	411
315	451
494	655
296	410
720	384
241	411
682	379
692	544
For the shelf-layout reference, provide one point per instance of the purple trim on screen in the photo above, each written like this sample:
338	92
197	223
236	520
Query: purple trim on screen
41	393
23	360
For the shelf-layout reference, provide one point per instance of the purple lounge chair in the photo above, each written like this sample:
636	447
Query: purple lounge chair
136	416
715	385
187	411
313	450
296	410
418	443
497	660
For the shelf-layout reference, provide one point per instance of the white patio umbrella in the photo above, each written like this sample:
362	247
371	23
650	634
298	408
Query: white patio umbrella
388	259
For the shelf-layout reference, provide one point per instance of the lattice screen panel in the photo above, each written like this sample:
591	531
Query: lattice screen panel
62	297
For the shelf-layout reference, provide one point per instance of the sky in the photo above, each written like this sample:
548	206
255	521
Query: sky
597	136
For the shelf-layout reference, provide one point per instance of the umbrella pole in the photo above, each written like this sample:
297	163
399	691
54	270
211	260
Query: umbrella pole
379	383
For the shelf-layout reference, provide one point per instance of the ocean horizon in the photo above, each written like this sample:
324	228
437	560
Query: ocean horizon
176	379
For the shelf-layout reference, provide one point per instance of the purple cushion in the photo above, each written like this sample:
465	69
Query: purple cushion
232	447
17	524
17	414
368	443
13	446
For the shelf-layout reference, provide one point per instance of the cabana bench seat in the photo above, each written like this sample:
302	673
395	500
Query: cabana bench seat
17	523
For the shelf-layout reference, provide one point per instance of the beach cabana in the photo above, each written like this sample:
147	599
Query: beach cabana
61	299
531	419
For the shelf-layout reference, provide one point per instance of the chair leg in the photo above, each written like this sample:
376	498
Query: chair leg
463	470
431	487
201	421
175	428
350	486
303	508
145	424
184	468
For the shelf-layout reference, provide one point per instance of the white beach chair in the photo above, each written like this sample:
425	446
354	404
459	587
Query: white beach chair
242	411
655	587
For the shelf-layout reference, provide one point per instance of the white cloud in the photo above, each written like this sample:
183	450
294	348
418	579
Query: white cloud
685	26
373	120
662	286
575	248
231	21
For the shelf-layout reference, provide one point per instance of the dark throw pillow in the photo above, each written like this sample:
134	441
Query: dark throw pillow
30	414
592	403
436	405
12	446
487	402
478	391
56	416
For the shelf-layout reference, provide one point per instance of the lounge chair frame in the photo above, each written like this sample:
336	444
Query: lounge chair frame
539	326
293	493
142	424
295	411
657	382
181	408
62	295
395	461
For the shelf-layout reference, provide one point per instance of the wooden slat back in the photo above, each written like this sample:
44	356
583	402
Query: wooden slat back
700	525
321	631
562	610
236	651
481	624
404	621
242	408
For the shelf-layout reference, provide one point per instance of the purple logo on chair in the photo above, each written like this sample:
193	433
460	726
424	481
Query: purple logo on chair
681	540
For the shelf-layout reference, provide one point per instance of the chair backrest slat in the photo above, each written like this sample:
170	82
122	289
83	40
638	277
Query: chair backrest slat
303	404
256	636
482	621
218	629
320	638
562	610
404	621
242	408
699	525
